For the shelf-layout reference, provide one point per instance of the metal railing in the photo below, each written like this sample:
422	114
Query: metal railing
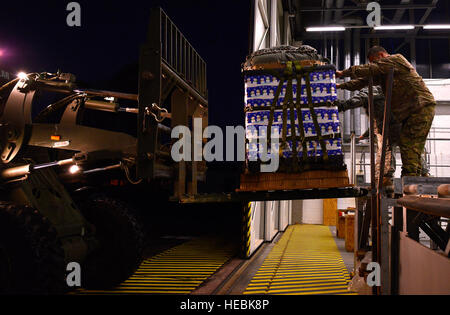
396	151
181	57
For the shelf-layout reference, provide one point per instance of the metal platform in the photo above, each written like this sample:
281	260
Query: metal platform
301	194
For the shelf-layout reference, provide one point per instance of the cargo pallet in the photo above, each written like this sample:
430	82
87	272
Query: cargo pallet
290	181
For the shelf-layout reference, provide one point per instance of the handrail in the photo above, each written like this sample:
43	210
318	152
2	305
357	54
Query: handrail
181	57
439	207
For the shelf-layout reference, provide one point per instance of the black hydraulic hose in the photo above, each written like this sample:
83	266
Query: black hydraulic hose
41	118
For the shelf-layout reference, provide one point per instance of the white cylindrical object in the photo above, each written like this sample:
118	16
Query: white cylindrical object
312	212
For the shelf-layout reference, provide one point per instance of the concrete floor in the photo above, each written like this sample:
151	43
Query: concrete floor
348	257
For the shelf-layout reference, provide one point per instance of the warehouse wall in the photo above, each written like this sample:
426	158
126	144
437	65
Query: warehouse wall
271	27
438	155
297	211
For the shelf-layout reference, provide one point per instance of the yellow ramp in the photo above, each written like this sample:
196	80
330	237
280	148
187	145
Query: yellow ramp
306	260
179	270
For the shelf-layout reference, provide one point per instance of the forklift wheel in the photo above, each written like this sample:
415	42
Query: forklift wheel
31	258
121	243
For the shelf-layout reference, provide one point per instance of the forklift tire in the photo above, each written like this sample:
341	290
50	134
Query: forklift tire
31	257
121	243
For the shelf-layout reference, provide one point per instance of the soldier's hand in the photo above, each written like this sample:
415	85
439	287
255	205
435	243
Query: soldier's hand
339	74
340	105
338	86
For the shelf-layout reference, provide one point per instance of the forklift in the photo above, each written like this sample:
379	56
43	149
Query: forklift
65	166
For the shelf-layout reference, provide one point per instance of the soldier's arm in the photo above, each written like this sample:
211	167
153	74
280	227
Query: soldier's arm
354	85
365	71
356	101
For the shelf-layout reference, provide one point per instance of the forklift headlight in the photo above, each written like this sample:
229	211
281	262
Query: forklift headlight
22	76
74	169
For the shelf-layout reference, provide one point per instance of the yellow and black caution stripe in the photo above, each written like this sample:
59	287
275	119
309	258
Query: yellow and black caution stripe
306	260
246	230
179	270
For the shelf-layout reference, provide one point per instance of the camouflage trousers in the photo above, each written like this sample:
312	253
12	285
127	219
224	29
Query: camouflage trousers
412	140
389	160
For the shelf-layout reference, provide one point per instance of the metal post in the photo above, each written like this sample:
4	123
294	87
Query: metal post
386	122
384	247
373	196
381	213
356	62
353	158
348	63
430	59
412	41
396	228
149	92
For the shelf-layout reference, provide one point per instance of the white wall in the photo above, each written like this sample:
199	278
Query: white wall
261	25
257	227
439	150
270	27
312	211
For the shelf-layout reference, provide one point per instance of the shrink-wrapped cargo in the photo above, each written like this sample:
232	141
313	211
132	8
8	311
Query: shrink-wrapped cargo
290	96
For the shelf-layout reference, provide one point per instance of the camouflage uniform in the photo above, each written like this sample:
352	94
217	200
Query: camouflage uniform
362	100
413	105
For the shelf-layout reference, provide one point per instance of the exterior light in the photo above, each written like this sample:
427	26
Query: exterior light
437	27
394	27
326	29
74	169
22	76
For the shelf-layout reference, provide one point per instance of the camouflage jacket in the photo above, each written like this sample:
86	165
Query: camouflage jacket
409	93
362	100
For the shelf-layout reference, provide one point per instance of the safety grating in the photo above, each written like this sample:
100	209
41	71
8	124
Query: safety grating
178	270
306	260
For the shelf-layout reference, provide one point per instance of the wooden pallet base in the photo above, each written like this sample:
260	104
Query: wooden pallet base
292	181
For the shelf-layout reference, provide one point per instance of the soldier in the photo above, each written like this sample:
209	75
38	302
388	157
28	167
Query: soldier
413	105
362	100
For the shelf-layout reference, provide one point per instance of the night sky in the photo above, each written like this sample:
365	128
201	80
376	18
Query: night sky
103	52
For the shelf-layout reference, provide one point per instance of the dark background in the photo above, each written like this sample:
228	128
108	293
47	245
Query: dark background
103	52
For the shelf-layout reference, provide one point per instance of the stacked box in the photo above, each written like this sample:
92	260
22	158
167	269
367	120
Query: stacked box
260	94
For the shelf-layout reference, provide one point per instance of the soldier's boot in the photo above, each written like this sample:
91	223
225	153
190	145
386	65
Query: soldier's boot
388	186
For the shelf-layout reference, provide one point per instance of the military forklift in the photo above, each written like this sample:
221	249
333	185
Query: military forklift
68	154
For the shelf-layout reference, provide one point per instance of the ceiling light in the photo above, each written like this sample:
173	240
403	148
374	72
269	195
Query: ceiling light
394	27
437	27
326	29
